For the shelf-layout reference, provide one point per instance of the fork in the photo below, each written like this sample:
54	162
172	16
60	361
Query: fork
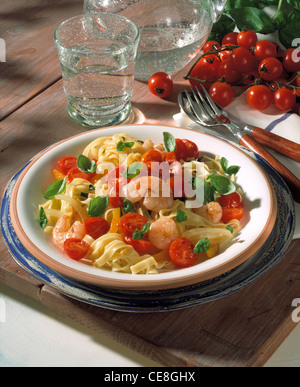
209	115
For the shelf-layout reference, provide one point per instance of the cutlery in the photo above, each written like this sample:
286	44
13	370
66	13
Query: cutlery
208	114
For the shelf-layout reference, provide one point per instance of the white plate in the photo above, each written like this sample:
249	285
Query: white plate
261	206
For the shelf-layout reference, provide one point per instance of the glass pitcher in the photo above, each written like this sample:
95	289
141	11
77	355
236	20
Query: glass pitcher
172	31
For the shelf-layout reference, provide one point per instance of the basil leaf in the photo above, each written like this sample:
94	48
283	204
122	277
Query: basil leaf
43	218
86	165
146	227
133	170
205	192
181	216
233	170
138	235
128	206
222	27
202	246
294	4
290	32
251	18
230	228
121	145
224	163
55	188
222	184
98	205
169	142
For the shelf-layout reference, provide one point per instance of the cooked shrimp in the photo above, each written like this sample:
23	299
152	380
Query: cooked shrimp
154	193
148	145
212	211
163	232
62	231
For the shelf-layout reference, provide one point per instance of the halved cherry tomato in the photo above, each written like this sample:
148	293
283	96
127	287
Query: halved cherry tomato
131	222
233	200
152	155
76	173
76	248
141	246
66	163
231	213
181	252
96	227
114	191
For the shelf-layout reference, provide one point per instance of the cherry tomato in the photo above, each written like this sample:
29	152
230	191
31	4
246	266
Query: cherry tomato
233	200
76	173
212	61
229	72
250	77
96	227
230	38
152	155
114	190
259	97
284	99
181	252
160	84
270	69
141	246
229	213
66	163
242	59
298	81
205	75
210	45
76	248
225	54
265	49
275	86
131	222
185	149
221	93
247	39
291	60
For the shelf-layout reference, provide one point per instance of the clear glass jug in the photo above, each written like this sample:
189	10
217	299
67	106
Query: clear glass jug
172	31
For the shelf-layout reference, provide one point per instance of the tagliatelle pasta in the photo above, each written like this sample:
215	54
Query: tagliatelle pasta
142	208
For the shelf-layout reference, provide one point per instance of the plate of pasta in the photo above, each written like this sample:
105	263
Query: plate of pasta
143	207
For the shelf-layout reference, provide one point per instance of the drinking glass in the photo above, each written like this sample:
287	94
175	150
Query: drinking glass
97	54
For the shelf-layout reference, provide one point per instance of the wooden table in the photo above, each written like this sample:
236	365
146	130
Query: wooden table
243	329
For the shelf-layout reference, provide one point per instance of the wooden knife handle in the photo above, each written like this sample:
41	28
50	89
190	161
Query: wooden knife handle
292	181
283	146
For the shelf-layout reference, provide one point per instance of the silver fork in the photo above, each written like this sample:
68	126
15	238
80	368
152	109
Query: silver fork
208	114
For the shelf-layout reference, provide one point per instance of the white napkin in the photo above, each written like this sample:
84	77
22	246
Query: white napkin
284	124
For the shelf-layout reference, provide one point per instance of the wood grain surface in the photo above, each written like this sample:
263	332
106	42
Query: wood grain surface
243	329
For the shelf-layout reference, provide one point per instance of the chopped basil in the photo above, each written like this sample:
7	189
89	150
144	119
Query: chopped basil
98	205
169	142
181	216
128	206
43	218
230	228
146	227
55	188
222	184
139	234
232	170
121	145
202	246
133	170
86	165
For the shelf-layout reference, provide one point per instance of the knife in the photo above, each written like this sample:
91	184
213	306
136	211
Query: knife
280	144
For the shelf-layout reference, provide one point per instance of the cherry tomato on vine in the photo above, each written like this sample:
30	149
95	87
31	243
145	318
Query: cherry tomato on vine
291	60
204	75
250	77
229	72
259	97
284	99
221	93
211	61
243	60
265	49
298	81
270	69
160	84
230	38
247	39
182	253
210	45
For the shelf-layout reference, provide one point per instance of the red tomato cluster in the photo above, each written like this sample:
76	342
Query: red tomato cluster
270	74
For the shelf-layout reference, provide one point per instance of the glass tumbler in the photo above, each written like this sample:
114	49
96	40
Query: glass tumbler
97	54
